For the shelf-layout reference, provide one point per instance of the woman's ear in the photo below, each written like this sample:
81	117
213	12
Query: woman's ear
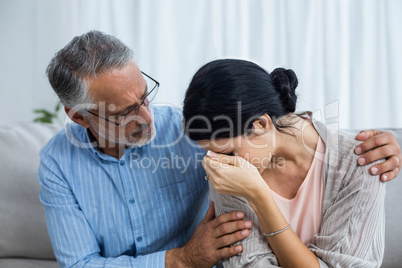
262	125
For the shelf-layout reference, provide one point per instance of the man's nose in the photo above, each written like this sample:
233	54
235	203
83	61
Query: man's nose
144	115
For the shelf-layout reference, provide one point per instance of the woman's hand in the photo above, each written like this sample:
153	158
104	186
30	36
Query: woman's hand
233	175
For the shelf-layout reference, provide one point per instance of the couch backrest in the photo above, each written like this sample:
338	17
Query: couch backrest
393	217
23	231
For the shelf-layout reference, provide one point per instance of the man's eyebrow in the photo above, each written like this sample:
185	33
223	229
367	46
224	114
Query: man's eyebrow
132	105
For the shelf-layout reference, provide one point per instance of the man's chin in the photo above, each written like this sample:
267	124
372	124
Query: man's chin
142	140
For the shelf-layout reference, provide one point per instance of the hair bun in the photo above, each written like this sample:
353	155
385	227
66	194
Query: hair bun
285	82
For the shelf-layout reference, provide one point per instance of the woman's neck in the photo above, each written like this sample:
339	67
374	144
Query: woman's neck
293	158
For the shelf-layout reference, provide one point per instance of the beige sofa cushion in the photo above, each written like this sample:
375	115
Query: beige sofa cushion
23	231
27	263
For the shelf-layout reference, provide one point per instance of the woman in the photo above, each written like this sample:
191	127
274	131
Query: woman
312	205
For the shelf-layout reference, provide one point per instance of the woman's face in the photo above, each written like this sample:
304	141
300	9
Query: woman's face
258	148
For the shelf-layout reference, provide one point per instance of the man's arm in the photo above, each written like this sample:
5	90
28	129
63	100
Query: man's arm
73	240
75	245
378	145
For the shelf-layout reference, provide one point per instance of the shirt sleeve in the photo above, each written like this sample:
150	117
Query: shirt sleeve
73	241
352	228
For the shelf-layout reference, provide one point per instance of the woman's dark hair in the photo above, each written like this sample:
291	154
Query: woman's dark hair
226	96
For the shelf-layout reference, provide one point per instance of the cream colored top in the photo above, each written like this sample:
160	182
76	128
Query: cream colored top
303	212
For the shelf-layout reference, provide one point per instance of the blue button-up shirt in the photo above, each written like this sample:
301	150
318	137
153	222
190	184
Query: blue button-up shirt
108	212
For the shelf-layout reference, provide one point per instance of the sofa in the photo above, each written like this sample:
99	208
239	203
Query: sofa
24	241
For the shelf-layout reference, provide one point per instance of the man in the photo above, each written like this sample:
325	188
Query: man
122	186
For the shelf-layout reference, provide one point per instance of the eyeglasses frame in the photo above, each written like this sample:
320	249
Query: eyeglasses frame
136	107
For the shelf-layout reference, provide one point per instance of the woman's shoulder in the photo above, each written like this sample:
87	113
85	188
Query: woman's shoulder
340	156
353	207
340	153
343	174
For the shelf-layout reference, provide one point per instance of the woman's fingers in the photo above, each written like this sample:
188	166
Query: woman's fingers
222	165
210	165
236	160
223	158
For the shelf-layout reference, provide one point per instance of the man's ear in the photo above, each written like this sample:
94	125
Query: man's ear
262	125
76	117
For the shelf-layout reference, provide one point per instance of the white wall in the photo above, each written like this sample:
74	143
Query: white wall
343	51
22	65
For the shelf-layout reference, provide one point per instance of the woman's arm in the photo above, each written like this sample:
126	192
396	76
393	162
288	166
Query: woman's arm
287	246
256	252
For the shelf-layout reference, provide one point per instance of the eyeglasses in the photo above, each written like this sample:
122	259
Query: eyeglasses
130	115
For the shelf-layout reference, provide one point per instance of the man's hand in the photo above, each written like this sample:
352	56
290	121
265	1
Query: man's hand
211	241
378	145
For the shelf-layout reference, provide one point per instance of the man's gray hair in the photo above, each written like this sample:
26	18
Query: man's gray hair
85	57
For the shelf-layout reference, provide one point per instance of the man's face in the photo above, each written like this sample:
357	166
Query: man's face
116	93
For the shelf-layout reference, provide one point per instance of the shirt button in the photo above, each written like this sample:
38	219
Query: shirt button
122	163
139	239
131	201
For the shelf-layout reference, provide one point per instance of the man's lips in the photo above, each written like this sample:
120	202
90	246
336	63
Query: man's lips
147	130
143	131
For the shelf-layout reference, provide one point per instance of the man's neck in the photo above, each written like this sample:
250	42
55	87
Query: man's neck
105	146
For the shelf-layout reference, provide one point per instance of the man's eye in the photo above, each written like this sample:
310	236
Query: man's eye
126	113
144	97
129	112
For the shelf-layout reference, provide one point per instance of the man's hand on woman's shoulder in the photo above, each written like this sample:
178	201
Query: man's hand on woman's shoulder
377	145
